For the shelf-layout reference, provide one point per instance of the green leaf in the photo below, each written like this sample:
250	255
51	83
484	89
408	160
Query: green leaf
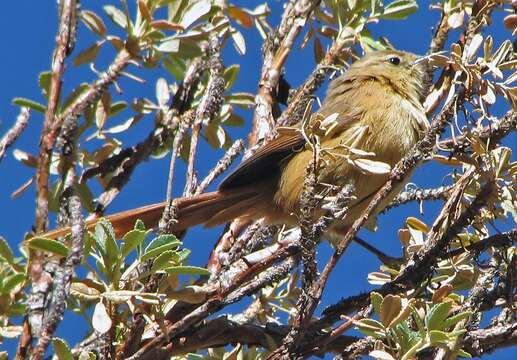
176	9
125	125
182	255
5	251
462	353
74	95
131	240
190	50
244	100
187	270
368	43
454	334
11	281
230	75
117	107
34	105
370	327
139	225
87	355
162	261
48	245
162	240
175	66
116	15
88	55
194	12
216	135
106	237
93	22
399	9
156	251
44	80
453	320
85	195
55	195
234	120
438	337
62	349
376	300
436	317
169	46
418	321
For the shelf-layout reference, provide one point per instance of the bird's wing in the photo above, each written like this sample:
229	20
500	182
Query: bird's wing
266	162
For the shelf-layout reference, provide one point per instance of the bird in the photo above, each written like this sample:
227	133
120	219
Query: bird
373	111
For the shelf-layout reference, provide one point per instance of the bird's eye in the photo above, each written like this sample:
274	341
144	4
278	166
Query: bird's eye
394	60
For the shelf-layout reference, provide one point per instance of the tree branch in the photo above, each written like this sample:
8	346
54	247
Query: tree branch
52	123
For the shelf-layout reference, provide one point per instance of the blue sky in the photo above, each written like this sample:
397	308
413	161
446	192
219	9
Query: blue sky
28	30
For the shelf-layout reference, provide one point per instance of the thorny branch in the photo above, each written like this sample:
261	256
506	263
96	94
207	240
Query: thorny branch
225	296
492	134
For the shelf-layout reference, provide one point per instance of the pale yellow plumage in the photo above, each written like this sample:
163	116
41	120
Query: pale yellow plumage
379	109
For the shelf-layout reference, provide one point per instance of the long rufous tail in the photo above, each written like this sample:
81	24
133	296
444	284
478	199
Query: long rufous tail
210	209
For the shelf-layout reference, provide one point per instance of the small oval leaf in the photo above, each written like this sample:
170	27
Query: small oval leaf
48	245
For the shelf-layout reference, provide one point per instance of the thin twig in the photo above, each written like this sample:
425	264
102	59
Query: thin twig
385	259
176	147
207	109
221	332
440	193
340	330
440	35
125	164
224	163
491	134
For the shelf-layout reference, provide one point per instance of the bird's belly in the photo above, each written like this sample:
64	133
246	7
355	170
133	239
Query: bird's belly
339	173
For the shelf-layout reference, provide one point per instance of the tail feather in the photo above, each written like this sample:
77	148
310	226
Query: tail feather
211	209
206	210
